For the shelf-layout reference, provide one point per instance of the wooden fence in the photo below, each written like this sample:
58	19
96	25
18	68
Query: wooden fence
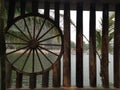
33	6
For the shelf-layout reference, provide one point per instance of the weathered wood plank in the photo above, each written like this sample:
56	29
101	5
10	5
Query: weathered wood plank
79	46
104	61
35	5
117	47
10	17
67	47
56	68
57	14
19	77
8	74
22	7
32	82
69	88
45	79
2	47
45	76
11	11
92	46
46	8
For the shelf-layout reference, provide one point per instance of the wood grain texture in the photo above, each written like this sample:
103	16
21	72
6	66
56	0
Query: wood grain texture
79	46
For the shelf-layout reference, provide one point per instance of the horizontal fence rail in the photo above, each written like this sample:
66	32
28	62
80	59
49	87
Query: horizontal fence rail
61	73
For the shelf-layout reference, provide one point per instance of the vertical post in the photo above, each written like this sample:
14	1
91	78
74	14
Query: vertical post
67	48
11	11
92	46
104	61
32	83
47	8
45	79
45	76
19	77
35	6
56	68
23	6
2	47
10	17
117	47
79	46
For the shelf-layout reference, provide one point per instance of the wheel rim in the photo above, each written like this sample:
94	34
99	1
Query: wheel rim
34	43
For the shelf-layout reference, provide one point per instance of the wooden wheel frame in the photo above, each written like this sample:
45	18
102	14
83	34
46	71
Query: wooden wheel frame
34	43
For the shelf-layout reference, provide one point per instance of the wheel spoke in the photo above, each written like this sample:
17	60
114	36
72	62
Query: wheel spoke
40	28
27	28
21	31
50	38
40	60
46	33
45	56
51	44
16	50
16	36
34	27
48	50
33	59
17	43
20	56
26	60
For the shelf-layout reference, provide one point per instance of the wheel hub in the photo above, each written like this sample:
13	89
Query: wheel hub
33	44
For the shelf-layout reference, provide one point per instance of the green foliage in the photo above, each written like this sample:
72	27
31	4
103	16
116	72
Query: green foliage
110	33
73	45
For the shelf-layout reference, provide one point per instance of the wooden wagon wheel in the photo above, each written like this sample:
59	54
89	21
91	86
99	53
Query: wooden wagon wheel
34	43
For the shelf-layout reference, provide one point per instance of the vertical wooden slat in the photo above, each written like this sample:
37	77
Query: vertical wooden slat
79	46
67	48
46	9
35	6
23	6
45	79
92	46
11	11
10	17
19	77
57	14
56	68
2	47
32	83
117	47
104	61
45	76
